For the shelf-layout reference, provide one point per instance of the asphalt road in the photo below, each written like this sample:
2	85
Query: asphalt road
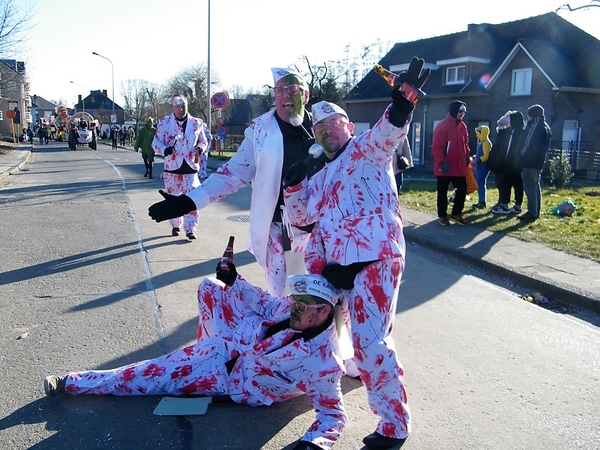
89	281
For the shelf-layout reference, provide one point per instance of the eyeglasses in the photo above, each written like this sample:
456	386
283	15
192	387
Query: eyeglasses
292	89
329	126
302	307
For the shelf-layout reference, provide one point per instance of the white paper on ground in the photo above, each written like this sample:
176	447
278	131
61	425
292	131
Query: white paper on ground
182	406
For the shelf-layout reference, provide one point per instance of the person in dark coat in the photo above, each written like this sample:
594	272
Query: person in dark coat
535	143
502	162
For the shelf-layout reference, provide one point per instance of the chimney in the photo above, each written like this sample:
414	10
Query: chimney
471	30
79	98
104	92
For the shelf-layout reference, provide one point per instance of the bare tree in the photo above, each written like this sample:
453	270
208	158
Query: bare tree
15	21
192	83
332	80
140	101
592	4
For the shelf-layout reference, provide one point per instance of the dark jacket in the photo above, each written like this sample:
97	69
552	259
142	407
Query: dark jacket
534	145
505	149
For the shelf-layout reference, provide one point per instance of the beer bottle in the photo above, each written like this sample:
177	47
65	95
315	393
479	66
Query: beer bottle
227	255
388	76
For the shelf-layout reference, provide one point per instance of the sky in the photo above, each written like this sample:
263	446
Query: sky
155	39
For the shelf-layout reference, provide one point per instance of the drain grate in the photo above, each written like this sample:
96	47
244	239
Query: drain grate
238	218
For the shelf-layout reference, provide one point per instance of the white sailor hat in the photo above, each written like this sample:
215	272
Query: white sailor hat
179	100
312	284
279	73
323	110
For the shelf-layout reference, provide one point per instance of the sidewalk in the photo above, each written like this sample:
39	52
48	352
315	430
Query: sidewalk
570	280
559	276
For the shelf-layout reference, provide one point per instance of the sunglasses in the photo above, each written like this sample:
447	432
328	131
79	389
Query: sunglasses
329	126
291	89
303	307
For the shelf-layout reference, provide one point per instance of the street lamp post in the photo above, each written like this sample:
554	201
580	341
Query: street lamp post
113	83
82	98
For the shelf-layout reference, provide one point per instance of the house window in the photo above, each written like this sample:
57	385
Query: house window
455	75
415	148
11	86
521	82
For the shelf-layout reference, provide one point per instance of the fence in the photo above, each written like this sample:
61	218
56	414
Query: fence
584	158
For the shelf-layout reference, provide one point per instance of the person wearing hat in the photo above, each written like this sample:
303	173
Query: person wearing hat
144	141
270	350
507	177
450	149
180	138
357	242
274	142
535	144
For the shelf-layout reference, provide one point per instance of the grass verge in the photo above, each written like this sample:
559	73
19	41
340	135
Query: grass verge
577	235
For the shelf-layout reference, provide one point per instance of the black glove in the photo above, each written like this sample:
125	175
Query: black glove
295	174
227	276
402	162
171	207
416	77
342	277
444	167
305	445
168	151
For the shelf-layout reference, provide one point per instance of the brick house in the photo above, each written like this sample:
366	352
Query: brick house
495	68
14	96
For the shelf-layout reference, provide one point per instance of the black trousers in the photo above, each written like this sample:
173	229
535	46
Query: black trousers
460	184
511	179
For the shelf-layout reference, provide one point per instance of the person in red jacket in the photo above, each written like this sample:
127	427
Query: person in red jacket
450	150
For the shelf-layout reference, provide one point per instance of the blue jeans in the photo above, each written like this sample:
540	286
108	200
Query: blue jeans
482	172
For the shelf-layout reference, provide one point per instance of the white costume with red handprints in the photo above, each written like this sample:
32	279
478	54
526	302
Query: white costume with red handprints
263	372
354	203
187	145
258	160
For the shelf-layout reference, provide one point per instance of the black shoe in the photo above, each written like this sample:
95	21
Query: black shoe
150	175
376	441
146	174
54	385
480	205
191	236
175	231
527	217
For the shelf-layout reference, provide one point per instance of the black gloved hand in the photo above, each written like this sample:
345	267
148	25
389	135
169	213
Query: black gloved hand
168	151
416	77
171	207
342	277
444	167
295	174
227	276
305	445
402	162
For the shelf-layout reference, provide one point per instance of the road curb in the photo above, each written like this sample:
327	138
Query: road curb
568	295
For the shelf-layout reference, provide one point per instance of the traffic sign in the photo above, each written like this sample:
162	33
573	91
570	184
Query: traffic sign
221	131
11	114
219	100
221	137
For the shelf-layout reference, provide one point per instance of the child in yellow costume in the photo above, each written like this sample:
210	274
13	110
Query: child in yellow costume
482	155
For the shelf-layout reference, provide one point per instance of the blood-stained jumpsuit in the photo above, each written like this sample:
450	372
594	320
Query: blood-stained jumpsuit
354	203
260	160
249	357
188	140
